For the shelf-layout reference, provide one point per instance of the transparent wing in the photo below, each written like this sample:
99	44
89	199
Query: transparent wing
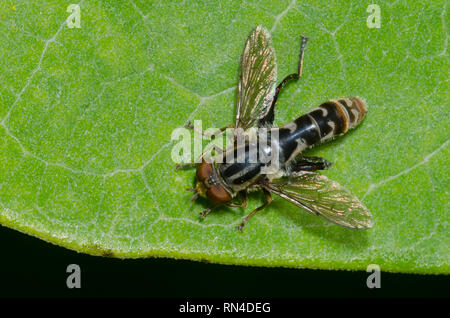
321	196
257	79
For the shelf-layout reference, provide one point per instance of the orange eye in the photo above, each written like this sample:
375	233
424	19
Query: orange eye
204	171
218	194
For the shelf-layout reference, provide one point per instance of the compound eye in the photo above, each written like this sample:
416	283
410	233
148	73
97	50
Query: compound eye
218	194
204	171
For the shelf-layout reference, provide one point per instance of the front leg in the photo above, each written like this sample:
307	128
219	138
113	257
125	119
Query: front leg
243	203
205	212
262	207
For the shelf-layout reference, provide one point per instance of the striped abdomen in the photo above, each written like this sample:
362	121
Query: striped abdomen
331	119
243	165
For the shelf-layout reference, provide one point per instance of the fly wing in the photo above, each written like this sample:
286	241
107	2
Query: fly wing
257	79
321	196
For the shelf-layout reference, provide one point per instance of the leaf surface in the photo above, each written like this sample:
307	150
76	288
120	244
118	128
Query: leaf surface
87	113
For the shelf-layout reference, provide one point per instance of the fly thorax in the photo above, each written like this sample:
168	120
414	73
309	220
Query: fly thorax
273	171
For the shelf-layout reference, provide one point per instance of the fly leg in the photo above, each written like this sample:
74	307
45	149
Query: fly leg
243	203
205	212
294	75
268	201
268	119
308	164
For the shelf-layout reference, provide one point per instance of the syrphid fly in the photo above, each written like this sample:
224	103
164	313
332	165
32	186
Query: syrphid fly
294	177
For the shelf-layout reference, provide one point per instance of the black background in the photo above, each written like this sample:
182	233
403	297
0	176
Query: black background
30	267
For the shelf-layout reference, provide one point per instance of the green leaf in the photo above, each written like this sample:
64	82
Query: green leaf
87	114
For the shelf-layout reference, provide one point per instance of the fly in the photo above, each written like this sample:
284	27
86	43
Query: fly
295	179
